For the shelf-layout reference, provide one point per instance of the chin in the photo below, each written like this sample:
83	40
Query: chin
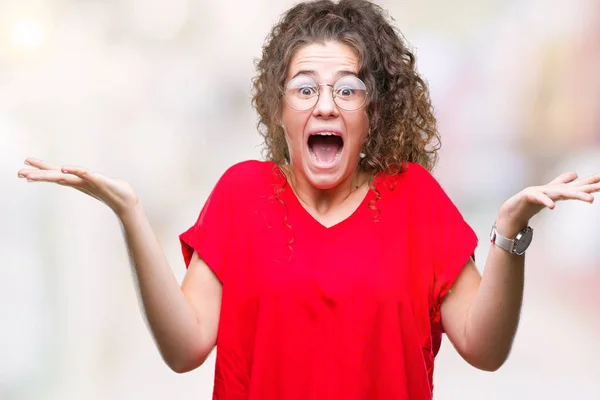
323	182
325	178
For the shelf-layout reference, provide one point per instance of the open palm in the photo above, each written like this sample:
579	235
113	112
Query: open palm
530	201
115	193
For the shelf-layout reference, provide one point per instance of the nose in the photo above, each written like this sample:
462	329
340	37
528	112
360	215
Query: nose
325	107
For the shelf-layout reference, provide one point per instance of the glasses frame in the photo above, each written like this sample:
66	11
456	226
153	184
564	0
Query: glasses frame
333	96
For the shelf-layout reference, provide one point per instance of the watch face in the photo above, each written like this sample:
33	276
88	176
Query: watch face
523	240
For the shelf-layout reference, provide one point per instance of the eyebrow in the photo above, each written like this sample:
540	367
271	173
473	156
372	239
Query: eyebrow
338	75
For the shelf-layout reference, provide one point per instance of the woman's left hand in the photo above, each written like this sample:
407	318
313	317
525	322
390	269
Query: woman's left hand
516	212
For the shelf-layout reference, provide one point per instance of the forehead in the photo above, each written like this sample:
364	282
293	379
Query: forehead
324	60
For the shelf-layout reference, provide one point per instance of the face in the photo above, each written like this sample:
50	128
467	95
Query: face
324	141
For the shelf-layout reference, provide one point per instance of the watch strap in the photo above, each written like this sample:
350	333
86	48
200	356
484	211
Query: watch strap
503	242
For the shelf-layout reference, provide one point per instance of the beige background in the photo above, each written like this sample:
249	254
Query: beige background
158	92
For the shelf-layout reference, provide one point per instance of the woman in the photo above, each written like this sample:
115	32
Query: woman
330	270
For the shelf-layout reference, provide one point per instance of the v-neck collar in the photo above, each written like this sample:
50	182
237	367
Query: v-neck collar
288	194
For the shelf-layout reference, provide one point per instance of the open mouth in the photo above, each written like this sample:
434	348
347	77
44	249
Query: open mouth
325	147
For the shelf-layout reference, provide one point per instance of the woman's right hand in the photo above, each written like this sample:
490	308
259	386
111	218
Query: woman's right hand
115	193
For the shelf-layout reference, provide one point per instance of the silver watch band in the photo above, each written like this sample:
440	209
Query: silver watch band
518	245
503	242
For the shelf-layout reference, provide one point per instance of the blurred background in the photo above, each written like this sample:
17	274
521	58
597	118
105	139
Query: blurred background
157	92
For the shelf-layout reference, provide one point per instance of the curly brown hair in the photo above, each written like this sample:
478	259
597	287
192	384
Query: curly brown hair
402	123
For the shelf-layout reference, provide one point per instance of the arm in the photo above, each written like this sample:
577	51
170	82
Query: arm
183	321
481	315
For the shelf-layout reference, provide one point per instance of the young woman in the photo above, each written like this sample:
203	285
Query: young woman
331	269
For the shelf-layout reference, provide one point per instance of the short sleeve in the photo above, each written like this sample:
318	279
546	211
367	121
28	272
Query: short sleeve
209	236
453	241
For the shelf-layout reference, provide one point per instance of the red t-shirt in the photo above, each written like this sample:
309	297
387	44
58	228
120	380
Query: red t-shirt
347	312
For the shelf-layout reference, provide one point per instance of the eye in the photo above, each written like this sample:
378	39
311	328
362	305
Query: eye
302	87
307	91
349	87
345	91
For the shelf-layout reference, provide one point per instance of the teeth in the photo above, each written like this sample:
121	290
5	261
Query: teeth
326	134
314	156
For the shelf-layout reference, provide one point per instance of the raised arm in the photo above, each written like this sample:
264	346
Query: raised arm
481	315
183	320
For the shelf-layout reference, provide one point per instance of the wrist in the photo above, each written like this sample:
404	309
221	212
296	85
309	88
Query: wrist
131	213
507	226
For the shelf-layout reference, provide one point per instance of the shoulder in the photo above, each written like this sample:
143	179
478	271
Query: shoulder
247	179
411	176
417	172
248	172
252	167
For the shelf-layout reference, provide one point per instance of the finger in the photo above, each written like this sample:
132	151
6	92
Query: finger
588	180
54	177
543	199
585	196
592	188
23	172
80	172
62	179
36	162
564	178
557	193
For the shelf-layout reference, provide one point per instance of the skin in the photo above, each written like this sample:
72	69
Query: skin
329	195
480	314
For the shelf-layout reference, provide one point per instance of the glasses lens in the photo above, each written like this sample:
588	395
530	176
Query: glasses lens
302	93
350	93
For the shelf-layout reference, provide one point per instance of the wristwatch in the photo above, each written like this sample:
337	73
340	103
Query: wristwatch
518	245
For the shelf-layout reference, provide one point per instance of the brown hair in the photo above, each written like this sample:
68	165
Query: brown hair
402	124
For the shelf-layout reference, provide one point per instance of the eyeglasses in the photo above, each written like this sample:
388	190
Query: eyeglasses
302	93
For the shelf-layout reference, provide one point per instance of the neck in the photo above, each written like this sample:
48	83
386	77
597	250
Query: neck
323	200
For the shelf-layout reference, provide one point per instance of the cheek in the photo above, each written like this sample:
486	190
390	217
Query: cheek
294	123
360	126
365	121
